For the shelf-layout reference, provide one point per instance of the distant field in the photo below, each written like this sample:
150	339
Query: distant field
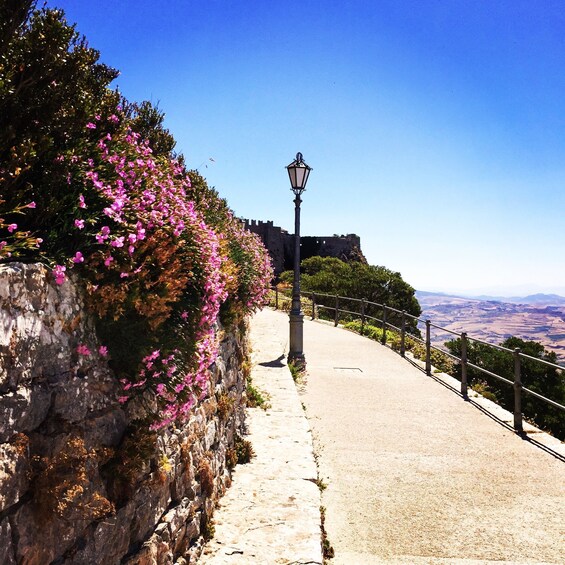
493	320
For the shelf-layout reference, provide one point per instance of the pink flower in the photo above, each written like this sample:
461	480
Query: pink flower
81	202
103	350
108	260
90	125
184	315
79	224
59	273
103	235
122	399
31	205
83	350
12	228
78	258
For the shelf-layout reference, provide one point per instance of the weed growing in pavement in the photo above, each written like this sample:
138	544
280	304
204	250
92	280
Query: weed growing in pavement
320	484
297	371
209	530
256	398
327	549
482	388
244	450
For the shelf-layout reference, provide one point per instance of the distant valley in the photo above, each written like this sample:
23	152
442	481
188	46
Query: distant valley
538	317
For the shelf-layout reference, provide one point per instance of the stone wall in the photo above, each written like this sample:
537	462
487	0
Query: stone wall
80	483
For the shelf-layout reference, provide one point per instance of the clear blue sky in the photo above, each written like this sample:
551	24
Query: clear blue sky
436	129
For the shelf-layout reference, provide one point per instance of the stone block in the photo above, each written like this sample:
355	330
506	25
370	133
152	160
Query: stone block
108	542
42	540
210	435
14	474
6	548
107	429
150	503
23	410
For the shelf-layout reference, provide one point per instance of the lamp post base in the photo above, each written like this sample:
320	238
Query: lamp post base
296	352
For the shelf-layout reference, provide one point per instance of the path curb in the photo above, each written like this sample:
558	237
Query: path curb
271	513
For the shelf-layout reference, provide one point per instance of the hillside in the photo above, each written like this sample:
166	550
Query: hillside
537	317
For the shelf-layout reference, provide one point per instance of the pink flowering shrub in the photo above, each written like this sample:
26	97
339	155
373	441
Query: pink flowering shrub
158	269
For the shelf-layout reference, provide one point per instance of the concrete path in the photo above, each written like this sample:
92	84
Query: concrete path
271	513
417	475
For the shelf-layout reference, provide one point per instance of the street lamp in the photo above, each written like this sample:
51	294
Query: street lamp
298	172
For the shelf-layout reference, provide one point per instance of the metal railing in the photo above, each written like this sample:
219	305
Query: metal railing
404	333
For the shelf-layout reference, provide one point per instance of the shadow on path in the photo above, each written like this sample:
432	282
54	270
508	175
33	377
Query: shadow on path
278	362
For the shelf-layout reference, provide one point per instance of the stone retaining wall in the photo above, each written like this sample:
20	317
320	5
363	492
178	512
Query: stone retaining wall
80	483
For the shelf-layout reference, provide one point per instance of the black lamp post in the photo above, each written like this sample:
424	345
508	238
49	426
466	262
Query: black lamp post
298	172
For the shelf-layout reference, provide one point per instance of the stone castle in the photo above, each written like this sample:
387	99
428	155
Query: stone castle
280	245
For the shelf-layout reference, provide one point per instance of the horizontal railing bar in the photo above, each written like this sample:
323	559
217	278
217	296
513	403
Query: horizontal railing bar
351	299
446	353
318	294
394	327
454	357
349	312
444	329
548	363
416	338
531	392
373	318
414	317
394	309
499	347
490	373
375	304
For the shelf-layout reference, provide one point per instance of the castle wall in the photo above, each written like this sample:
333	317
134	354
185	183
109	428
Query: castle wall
280	245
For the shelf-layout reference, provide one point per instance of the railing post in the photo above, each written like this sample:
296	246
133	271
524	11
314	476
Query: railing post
336	316
362	316
464	364
403	334
313	306
383	338
518	427
276	297
428	349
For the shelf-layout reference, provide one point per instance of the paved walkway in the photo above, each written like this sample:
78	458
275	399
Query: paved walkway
414	474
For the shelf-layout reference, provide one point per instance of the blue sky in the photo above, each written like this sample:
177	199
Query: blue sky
436	129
